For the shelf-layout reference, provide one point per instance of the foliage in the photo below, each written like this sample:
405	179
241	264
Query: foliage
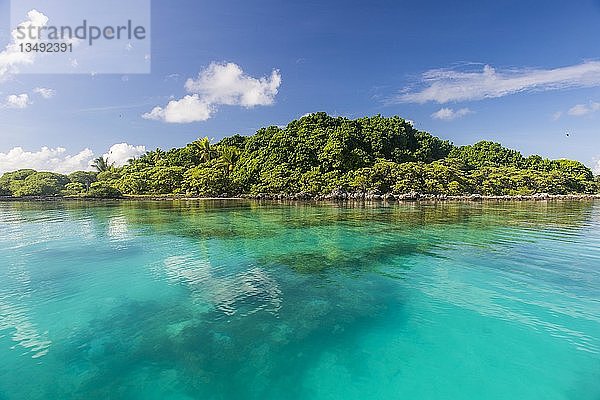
150	180
39	184
101	164
103	190
487	154
85	178
110	175
9	177
318	154
207	181
73	189
204	149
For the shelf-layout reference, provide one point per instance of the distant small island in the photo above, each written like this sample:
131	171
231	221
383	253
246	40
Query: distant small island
323	157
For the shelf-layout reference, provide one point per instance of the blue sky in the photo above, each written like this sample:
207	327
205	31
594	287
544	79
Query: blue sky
521	73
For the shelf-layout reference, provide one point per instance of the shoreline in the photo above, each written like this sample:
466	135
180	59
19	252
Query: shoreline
339	197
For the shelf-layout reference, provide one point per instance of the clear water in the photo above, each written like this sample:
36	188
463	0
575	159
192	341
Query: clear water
237	300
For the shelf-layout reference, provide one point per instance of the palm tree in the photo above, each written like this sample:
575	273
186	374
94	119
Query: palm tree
204	149
157	156
101	164
229	157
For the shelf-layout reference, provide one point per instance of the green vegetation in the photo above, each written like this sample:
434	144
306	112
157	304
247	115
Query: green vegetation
317	155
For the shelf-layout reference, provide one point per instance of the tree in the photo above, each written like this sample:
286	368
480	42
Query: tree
85	178
101	164
318	154
7	179
73	189
229	157
238	141
206	181
39	184
204	149
165	180
104	191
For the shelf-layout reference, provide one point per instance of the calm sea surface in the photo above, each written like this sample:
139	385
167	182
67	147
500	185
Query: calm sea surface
241	300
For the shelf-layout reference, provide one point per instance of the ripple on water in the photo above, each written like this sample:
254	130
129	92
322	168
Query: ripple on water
196	300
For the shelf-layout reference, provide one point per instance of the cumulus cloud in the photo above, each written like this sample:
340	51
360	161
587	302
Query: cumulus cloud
218	84
17	101
448	114
45	159
188	109
580	110
59	160
227	84
120	153
46	93
11	58
447	85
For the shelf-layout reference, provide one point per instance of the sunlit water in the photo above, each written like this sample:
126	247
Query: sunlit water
240	300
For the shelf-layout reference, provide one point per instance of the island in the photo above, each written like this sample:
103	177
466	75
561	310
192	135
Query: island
320	156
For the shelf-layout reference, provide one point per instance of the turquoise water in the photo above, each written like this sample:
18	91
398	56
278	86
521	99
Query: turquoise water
241	300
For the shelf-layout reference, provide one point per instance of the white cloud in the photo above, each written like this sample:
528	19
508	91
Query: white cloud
218	84
17	101
46	159
227	84
120	153
23	100
188	109
11	58
44	92
579	110
448	114
58	160
556	116
596	168
446	85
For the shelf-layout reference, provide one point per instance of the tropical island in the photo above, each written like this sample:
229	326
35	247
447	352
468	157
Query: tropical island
319	156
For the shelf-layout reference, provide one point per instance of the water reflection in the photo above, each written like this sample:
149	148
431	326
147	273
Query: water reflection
247	292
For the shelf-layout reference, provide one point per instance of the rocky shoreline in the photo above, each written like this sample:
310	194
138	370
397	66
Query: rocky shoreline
333	196
414	196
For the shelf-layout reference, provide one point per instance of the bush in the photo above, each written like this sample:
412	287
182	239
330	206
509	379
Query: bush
39	184
9	177
207	181
73	189
85	178
102	190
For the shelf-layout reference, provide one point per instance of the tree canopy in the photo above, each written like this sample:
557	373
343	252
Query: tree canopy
318	154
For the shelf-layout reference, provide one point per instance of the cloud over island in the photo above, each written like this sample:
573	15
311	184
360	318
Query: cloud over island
448	114
59	160
218	84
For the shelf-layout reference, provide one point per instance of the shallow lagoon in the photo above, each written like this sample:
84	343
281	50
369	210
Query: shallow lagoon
247	300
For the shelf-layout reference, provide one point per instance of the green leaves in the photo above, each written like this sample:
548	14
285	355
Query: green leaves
38	184
101	164
206	181
103	190
318	154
